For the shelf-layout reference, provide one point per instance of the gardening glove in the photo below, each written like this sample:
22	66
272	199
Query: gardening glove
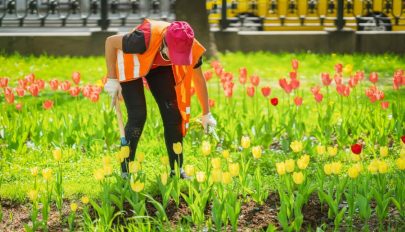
112	87
208	121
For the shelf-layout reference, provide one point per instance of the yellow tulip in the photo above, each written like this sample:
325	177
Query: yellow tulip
206	148
336	167
348	69
163	178
200	176
189	170
106	160
216	163
34	171
124	152
47	174
57	155
108	169
85	200
355	158
384	151
257	152
216	176
402	153
234	169
303	162
382	167
33	195
353	172
118	157
373	166
327	168
164	160
225	154
99	174
289	165
140	157
177	148
296	146
400	162
245	142
73	207
332	151
134	166
298	177
137	186
226	178
280	168
320	150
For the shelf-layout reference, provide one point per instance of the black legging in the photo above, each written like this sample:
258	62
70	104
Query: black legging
161	83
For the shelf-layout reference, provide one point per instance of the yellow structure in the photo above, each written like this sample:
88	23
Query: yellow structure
310	15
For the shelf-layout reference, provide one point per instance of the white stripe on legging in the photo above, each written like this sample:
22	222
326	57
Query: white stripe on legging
121	68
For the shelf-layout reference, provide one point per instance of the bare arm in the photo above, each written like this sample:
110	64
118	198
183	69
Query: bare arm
112	43
201	89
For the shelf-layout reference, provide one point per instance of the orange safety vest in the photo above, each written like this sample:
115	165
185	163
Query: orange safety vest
133	66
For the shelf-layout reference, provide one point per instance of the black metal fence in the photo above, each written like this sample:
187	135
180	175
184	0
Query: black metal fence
82	13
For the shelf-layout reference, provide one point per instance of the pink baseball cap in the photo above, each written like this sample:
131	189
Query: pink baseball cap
179	40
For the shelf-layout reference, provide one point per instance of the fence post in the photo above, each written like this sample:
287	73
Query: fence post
340	22
224	20
104	22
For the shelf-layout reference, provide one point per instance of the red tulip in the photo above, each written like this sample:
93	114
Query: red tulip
74	91
295	83
10	98
192	91
94	97
338	79
48	104
326	80
34	90
255	80
288	88
359	75
40	83
18	106
65	85
7	91
266	91
22	83
294	64
20	91
3	82
298	101
318	97
30	78
283	83
228	92
274	101
315	89
338	68
250	91
218	71
293	74
76	77
356	148
54	84
211	102
403	138
384	105
208	75
374	77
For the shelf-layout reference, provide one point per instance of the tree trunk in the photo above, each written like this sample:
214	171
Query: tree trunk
195	13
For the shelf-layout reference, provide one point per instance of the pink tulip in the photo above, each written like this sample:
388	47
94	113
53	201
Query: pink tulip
76	77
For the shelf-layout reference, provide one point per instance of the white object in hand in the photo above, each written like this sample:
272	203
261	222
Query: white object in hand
112	87
208	121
